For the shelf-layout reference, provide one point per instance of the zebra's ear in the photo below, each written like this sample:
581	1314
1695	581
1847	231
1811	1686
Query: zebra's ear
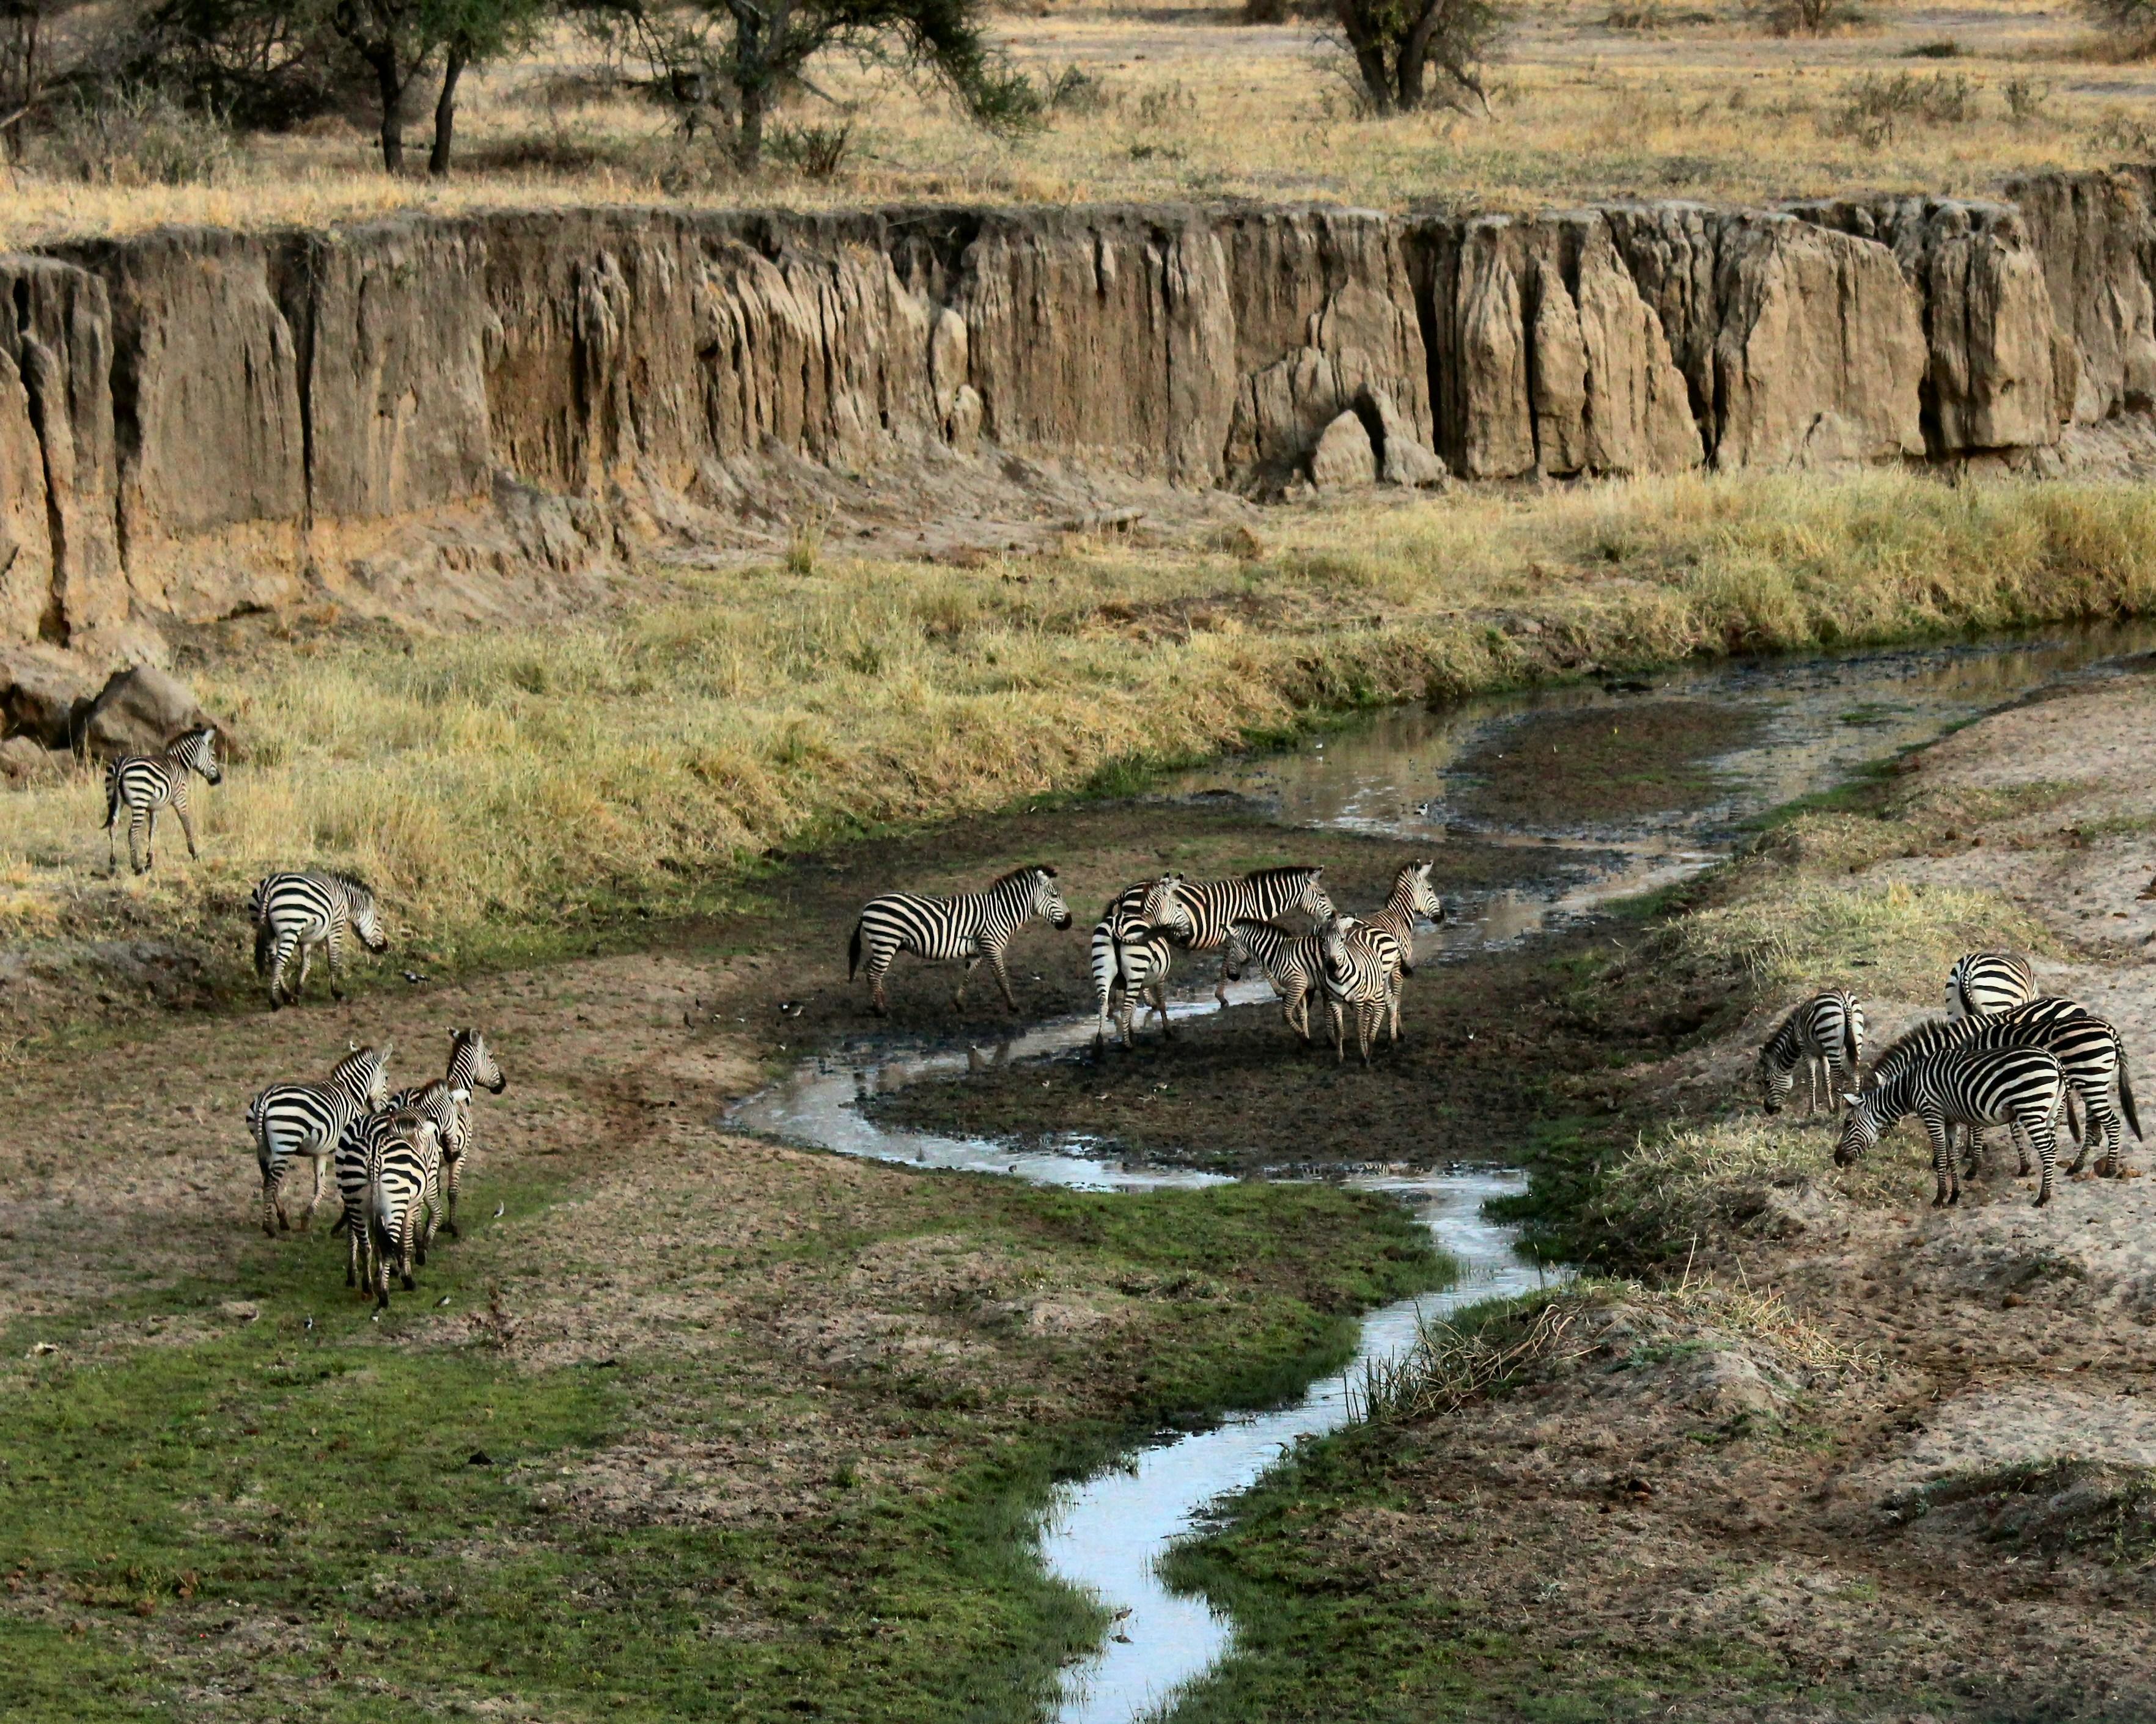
353	1046
1852	1100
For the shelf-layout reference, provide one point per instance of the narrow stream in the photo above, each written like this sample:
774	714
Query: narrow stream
1825	718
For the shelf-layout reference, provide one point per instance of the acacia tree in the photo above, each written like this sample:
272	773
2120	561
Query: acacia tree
474	32
1416	54
744	56
400	42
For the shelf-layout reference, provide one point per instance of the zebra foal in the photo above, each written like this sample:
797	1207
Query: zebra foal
971	926
1982	982
289	1121
1975	1087
1825	1037
144	784
1292	962
445	1103
1133	951
301	912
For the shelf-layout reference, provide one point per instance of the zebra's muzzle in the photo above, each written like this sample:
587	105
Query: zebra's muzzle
1063	921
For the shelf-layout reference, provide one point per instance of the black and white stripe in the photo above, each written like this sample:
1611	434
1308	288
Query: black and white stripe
404	1163
292	1120
971	926
445	1102
1982	982
1292	962
367	1146
299	912
1412	899
1133	951
144	784
2088	1048
1259	896
1825	1037
1360	966
2020	1087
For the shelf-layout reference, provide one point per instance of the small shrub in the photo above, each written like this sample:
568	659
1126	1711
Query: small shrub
1807	18
815	152
1878	107
1166	102
805	548
1945	49
133	135
1076	91
2026	99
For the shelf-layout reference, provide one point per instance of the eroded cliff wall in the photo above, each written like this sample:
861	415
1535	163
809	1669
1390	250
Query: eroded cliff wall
192	423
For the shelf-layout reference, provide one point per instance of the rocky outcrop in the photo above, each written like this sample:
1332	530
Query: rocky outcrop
196	422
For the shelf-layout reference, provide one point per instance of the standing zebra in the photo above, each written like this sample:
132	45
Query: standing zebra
1412	899
1292	963
971	926
403	1162
1826	1036
2021	1087
445	1103
305	910
1258	897
1981	983
2089	1050
1360	966
291	1121
1133	948
362	1152
145	783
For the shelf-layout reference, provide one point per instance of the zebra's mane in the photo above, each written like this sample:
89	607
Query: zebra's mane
1927	1034
1026	873
1270	876
350	882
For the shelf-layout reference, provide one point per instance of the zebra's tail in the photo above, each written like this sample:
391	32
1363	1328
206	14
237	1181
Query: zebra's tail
2126	1096
853	952
111	794
265	940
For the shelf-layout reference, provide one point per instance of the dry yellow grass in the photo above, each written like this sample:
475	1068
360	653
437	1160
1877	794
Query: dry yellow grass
500	785
1198	105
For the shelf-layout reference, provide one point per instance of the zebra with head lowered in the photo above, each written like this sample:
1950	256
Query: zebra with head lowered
144	784
1360	969
301	911
1975	1087
445	1103
291	1121
1826	1036
401	1143
1293	963
2090	1051
1259	896
1133	949
1982	982
971	926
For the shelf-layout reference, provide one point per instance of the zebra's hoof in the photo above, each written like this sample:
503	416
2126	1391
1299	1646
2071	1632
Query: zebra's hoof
453	1231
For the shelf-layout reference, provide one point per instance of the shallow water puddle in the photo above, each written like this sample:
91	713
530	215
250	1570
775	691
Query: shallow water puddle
1808	726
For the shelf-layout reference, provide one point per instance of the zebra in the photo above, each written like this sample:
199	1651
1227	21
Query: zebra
1292	963
1257	896
1412	899
1826	1036
289	1121
971	926
1972	1086
2089	1051
445	1102
1133	948
305	910
145	783
1981	983
359	1159
1360	963
403	1164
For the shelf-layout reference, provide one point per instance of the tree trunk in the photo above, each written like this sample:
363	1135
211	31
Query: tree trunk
391	88
445	114
748	144
1369	51
1412	72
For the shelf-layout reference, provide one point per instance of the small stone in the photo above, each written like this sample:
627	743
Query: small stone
1344	457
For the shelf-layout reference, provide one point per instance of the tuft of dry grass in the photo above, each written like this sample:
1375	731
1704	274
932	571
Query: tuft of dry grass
518	782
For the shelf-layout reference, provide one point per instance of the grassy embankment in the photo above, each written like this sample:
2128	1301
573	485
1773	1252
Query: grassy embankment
515	793
205	1490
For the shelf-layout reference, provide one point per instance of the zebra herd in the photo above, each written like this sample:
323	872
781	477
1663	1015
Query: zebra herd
1355	966
396	1155
2004	1057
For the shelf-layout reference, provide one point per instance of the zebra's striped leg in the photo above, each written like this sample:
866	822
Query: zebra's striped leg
1002	974
187	830
1157	998
1366	1027
136	817
273	1199
2098	1114
1946	1182
1393	1007
307	963
351	1230
1126	1009
283	955
958	996
1339	1034
335	965
452	1173
2047	1155
878	967
313	1203
1220	989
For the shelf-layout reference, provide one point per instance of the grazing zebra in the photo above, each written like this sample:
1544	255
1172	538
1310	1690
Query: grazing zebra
2021	1087
1826	1036
1259	897
305	910
1133	948
1292	963
403	1165
2089	1051
289	1121
1360	963
971	926
445	1103
1981	983
145	783
1412	899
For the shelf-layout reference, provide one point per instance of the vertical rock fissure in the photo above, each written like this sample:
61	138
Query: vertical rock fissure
37	380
